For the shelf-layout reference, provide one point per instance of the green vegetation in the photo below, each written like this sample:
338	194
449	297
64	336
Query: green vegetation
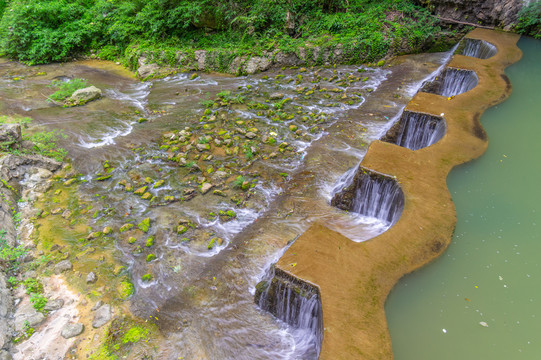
10	254
529	20
38	301
56	30
44	142
66	88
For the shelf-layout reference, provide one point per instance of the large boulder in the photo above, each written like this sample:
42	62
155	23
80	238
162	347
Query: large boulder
82	96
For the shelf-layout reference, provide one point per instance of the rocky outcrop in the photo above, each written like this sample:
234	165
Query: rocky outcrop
19	173
498	13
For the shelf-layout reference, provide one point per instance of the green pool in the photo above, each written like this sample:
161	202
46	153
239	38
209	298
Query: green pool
482	298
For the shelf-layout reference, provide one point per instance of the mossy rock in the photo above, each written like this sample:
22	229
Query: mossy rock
126	289
151	257
146	196
158	184
144	225
147	277
140	191
126	227
150	241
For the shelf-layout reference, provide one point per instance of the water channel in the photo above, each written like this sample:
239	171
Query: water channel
203	275
481	299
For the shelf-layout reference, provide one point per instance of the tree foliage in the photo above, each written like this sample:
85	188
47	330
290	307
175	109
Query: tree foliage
42	31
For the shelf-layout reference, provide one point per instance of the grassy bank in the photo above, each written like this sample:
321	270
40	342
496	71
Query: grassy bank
38	32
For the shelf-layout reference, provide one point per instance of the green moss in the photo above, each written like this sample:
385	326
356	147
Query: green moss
151	257
146	277
144	225
126	289
150	241
134	334
125	227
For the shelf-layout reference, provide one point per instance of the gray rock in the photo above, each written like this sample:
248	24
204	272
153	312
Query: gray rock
257	63
71	330
53	305
145	70
97	305
205	187
276	96
4	355
287	59
202	147
91	278
102	316
10	135
200	57
63	266
35	319
85	95
220	174
250	135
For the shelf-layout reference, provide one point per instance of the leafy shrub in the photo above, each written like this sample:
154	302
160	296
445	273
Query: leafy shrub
529	20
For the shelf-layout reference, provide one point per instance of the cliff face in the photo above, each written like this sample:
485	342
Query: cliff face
499	13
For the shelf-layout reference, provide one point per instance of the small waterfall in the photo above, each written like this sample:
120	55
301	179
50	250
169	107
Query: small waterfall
478	49
452	82
416	130
293	301
373	195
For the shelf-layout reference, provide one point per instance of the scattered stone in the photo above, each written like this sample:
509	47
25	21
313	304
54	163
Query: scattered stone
56	211
91	278
66	214
202	147
97	305
205	187
276	96
71	330
63	266
102	316
53	305
4	355
250	135
93	235
107	230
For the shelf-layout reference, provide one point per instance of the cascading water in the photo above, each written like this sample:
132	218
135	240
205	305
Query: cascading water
293	301
372	195
452	82
416	130
478	48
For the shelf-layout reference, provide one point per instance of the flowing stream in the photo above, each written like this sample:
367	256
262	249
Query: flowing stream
481	299
207	263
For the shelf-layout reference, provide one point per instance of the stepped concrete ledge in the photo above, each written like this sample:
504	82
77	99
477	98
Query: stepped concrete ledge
354	279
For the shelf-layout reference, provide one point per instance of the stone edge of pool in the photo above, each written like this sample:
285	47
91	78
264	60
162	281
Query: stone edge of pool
354	279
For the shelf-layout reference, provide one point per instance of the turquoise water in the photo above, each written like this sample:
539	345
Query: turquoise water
482	298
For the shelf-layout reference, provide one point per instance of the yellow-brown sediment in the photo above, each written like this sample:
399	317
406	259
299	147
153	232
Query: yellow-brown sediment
354	279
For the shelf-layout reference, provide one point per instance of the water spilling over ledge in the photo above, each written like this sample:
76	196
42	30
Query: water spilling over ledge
416	130
293	301
477	48
373	195
452	82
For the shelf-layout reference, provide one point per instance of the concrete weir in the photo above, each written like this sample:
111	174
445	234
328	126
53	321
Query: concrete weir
354	279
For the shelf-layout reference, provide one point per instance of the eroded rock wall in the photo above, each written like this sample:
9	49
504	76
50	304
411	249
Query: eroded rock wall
498	13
